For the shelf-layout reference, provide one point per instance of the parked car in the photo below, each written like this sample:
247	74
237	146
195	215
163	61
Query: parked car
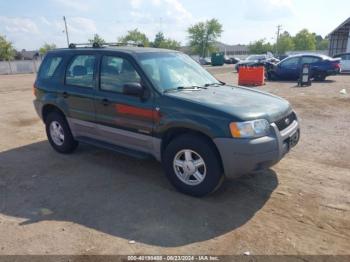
289	69
158	103
281	57
231	60
256	60
344	61
205	61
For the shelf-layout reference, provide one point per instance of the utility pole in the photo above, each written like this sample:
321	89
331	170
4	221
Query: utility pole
279	28
66	29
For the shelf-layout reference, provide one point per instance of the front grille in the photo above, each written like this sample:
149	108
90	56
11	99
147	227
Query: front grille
284	122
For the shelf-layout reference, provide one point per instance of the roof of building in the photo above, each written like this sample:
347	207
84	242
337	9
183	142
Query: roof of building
231	48
29	54
342	28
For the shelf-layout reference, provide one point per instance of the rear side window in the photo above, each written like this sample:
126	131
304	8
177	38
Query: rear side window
290	63
49	67
310	59
80	71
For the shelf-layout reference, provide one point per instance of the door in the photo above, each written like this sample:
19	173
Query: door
345	62
78	93
123	120
289	69
315	65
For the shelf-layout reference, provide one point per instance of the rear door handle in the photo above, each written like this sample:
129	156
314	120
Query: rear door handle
65	95
105	102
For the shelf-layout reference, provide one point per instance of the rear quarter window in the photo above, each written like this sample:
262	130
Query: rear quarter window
49	67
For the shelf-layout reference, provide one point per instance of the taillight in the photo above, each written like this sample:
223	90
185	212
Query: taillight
335	65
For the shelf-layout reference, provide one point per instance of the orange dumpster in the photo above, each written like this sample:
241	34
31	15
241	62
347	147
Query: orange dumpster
251	76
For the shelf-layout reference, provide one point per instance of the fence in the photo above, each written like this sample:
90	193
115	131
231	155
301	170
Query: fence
19	67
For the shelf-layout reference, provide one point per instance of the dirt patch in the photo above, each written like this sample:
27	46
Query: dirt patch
22	122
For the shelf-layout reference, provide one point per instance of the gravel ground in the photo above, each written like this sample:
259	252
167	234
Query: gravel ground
96	201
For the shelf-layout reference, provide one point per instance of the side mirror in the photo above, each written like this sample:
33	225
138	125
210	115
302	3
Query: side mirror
133	89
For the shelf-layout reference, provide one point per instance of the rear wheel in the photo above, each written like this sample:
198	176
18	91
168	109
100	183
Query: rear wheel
320	77
192	165
59	134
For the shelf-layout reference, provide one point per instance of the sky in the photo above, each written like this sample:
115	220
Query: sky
31	23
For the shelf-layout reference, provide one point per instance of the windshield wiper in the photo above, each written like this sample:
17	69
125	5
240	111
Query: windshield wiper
194	87
215	84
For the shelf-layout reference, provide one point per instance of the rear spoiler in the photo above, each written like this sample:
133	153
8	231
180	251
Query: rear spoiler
337	59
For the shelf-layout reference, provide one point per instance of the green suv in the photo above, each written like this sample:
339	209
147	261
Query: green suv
159	103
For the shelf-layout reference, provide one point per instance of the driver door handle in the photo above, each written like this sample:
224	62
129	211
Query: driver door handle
65	95
105	102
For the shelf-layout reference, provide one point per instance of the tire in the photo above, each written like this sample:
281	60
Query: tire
269	76
320	77
199	149
56	126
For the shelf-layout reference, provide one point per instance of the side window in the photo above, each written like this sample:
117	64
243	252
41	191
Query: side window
49	66
116	72
80	72
309	59
151	68
290	63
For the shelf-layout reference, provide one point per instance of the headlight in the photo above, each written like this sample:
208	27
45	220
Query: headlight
250	129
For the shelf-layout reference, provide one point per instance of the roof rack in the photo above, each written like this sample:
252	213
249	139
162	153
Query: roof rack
98	45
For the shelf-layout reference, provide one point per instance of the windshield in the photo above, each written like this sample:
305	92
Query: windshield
255	57
174	70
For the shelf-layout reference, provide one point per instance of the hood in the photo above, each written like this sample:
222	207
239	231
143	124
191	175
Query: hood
242	103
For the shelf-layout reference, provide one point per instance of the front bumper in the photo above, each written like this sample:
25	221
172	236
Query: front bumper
38	107
241	156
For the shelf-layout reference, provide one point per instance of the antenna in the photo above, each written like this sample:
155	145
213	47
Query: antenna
66	29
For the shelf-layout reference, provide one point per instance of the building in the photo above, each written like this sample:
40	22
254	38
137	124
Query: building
339	39
229	50
29	55
232	50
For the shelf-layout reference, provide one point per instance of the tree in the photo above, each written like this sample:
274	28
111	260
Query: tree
161	42
158	40
7	52
304	40
321	43
135	36
260	47
97	39
45	48
203	36
285	43
170	44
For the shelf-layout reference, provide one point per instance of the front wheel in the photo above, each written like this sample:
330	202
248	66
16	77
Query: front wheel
192	165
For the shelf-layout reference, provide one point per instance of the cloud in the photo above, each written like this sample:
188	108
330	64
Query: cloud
171	7
18	25
77	5
44	21
81	25
179	9
136	3
263	10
